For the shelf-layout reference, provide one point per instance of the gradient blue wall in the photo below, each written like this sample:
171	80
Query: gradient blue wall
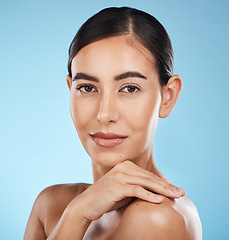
38	143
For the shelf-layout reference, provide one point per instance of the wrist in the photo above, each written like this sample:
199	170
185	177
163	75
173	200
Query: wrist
71	226
76	215
76	211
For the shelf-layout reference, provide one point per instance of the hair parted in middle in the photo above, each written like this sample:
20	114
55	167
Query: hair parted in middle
143	27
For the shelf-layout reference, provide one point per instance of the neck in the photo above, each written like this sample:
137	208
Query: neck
145	161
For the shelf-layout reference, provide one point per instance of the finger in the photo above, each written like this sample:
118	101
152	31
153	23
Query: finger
134	170
176	192
141	193
149	183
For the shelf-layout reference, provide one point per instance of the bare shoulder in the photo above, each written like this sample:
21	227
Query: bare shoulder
48	208
172	219
58	196
62	193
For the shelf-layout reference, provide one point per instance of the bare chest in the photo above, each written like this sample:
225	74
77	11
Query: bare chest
101	229
104	228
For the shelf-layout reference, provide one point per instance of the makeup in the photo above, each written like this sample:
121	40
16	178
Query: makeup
107	139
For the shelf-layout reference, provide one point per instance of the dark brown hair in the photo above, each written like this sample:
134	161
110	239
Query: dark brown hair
117	21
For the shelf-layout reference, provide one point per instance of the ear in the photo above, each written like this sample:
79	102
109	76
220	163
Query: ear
69	81
170	94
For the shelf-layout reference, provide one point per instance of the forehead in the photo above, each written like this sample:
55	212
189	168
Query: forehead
119	53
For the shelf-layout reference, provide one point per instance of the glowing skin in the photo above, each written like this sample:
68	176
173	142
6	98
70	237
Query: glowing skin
128	106
116	100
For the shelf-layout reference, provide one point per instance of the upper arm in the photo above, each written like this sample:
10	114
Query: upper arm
147	221
48	209
34	229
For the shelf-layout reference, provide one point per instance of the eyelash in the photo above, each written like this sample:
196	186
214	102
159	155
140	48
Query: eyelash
80	87
131	86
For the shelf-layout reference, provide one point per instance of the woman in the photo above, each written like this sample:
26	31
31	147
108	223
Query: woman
120	81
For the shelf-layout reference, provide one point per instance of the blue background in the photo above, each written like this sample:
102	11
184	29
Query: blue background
38	143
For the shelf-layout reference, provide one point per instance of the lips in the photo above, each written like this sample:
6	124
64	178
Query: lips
107	139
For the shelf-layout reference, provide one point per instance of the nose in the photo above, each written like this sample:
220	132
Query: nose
107	109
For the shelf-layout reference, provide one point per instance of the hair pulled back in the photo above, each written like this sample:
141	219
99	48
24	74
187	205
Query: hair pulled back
116	21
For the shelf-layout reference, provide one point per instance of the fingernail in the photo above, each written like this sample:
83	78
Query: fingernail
176	192
182	191
159	198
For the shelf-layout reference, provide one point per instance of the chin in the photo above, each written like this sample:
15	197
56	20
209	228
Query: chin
107	159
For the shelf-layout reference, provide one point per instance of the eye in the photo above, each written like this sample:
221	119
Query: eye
86	88
130	89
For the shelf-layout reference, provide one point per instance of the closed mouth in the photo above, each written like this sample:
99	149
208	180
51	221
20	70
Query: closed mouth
107	139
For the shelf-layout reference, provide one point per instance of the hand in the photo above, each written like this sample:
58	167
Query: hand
124	180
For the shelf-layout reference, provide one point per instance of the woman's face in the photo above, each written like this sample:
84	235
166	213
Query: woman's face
115	100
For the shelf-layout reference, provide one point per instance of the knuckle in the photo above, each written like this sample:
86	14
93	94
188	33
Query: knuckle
136	190
119	167
154	177
151	182
127	162
166	184
149	194
171	186
165	188
148	181
165	180
117	176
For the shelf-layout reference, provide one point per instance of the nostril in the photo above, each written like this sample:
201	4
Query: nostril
106	116
107	109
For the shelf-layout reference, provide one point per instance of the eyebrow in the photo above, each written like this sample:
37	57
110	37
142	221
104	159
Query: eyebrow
129	74
84	76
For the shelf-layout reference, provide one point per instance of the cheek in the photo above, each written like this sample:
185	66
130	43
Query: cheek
142	115
143	128
82	113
